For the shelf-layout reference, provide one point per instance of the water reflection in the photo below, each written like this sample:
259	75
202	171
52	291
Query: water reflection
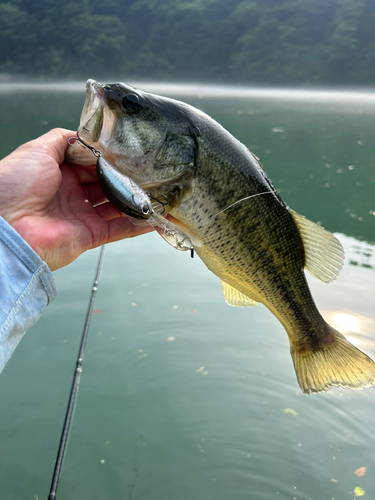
347	302
362	255
346	322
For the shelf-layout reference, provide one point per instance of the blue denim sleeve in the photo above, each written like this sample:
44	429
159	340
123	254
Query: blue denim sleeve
26	288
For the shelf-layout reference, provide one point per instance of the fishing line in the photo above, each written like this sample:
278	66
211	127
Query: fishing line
243	199
74	389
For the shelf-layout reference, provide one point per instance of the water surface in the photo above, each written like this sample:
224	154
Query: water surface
182	396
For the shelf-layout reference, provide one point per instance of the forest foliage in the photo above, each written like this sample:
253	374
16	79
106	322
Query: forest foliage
274	42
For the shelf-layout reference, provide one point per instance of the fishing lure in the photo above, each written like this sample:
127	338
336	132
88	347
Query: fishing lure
129	197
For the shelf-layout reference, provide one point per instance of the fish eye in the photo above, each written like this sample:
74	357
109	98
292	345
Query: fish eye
131	103
145	209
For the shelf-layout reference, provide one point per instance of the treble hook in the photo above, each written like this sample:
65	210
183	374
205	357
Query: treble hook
94	151
159	201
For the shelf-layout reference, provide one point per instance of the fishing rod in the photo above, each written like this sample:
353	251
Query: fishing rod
74	389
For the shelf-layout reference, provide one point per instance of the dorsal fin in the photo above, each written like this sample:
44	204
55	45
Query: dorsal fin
235	298
324	254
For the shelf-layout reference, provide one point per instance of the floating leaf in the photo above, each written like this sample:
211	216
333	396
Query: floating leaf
360	472
358	492
97	311
289	411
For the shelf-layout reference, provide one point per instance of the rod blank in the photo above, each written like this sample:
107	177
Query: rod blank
75	384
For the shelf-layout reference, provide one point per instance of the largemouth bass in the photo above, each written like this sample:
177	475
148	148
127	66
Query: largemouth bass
219	193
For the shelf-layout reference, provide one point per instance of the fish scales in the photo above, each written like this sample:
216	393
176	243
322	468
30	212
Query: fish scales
257	240
220	194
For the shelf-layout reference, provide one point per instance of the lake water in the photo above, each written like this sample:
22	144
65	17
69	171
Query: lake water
181	396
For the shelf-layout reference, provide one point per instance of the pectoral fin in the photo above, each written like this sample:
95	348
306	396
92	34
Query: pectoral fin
194	239
324	254
235	298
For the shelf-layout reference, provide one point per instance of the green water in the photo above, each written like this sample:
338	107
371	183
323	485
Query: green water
182	396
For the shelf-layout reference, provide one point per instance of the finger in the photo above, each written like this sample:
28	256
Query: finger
94	193
86	175
55	141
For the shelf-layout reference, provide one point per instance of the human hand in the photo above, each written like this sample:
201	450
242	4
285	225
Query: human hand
52	205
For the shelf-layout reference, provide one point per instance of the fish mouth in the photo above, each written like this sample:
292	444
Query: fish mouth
96	126
91	122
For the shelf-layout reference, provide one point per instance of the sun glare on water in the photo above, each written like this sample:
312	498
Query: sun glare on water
347	323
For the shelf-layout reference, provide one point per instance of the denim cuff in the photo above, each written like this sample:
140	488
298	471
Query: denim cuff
26	288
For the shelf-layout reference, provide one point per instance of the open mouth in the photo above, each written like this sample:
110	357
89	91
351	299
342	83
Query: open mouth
92	113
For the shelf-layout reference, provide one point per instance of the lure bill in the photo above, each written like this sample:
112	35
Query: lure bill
171	233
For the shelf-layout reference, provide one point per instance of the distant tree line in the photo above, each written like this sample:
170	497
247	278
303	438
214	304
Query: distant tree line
241	41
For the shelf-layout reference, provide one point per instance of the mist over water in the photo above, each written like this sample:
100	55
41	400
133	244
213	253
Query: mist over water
324	94
182	396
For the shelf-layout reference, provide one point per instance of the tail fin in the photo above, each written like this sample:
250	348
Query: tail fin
336	364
